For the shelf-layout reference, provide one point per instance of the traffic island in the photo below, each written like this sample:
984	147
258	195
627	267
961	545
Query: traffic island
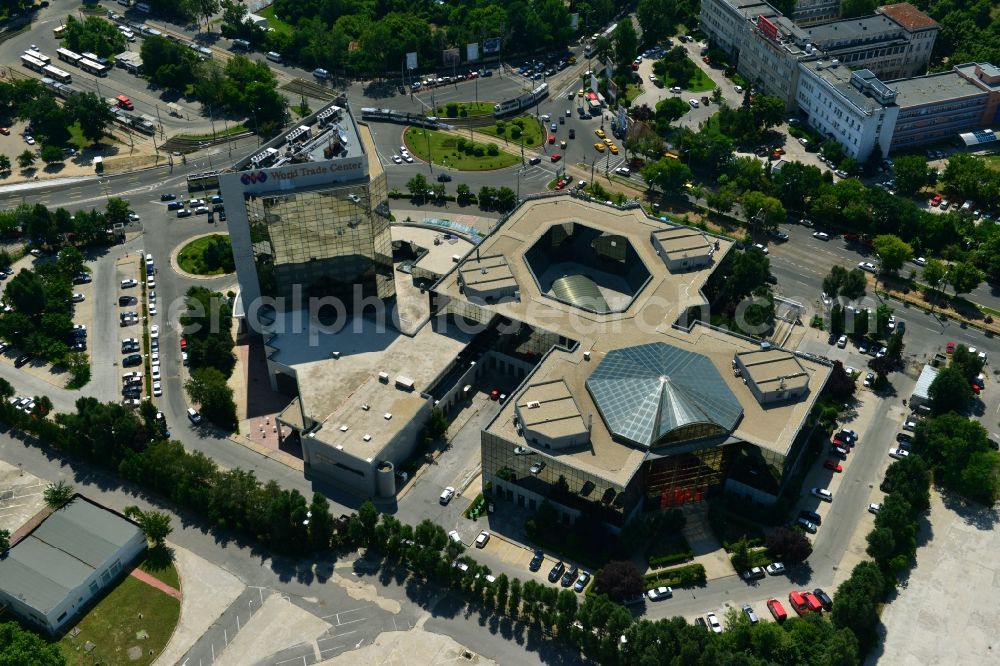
210	255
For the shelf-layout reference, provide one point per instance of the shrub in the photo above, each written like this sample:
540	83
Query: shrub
686	575
492	150
660	561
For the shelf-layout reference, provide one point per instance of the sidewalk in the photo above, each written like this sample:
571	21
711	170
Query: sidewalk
708	552
152	581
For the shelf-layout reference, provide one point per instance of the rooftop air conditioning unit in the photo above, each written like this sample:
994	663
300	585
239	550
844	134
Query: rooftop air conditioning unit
383	377
534	404
387	416
586	356
367	437
365	407
335	354
343	428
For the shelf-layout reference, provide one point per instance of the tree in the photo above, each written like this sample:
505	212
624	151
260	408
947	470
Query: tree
117	210
850	284
26	293
4	541
208	388
4	163
741	557
763	213
57	494
910	173
51	154
791	546
92	113
722	199
949	392
749	272
963	277
894	346
21	646
156	527
320	523
934	273
840	385
892	251
506	199
26	159
418	186
767	111
619	580
206	9
626	43
668	174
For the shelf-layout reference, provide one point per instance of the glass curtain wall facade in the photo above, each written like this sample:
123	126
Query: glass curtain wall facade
324	242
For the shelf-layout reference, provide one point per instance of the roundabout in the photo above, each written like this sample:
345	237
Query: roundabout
205	256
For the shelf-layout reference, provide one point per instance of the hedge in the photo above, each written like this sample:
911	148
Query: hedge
660	561
686	575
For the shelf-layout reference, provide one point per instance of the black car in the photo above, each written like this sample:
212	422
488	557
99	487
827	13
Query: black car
222	216
79	346
824	598
570	576
572	133
22	360
130	348
167	197
700	622
557	571
126	300
216	208
536	561
175	205
184	212
82	278
811	516
535	160
444	178
132	360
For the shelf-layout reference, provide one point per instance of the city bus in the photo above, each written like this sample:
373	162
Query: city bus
32	63
208	180
69	56
92	67
37	55
57	74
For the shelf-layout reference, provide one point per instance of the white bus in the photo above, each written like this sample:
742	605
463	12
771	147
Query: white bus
94	68
69	56
38	55
57	74
32	63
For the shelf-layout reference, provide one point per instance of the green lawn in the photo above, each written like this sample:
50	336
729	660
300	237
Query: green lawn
531	131
199	258
114	627
159	564
632	91
223	131
700	82
471	109
993	162
274	22
445	150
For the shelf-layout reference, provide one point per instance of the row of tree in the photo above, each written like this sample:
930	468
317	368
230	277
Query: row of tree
502	198
207	328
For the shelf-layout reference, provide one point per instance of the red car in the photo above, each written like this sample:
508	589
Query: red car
777	610
184	344
556	157
936	199
976	389
552	138
834	465
5	131
495	394
950	347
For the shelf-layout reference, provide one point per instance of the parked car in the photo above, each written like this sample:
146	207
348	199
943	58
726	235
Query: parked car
823	598
874	508
807	525
811	516
898	453
713	623
659	593
482	539
822	493
752	616
536	561
126	284
777	610
755	573
557	571
775	569
447	494
569	577
833	465
581	581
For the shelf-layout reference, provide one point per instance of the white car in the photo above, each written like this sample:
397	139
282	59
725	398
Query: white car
184	358
775	569
154	358
658	593
866	266
821	235
483	537
154	331
397	159
157	391
713	623
152	310
79	298
155	373
738	89
453	535
761	247
447	494
822	493
129	283
920	261
693	103
28	139
898	454
408	158
874	508
134	217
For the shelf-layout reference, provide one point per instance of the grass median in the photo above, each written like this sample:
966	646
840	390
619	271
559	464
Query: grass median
457	152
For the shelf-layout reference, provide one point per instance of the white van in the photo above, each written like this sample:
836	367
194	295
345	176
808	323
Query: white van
194	416
241	45
321	74
273	56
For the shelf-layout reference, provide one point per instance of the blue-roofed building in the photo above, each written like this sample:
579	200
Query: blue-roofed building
71	557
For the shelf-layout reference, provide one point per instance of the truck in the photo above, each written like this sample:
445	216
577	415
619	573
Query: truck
123	102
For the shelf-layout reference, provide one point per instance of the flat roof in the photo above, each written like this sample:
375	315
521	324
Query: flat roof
62	552
332	390
933	89
908	16
438	259
927	376
980	72
839	78
548	408
310	140
771	368
866	29
487	272
656	306
683	242
772	427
